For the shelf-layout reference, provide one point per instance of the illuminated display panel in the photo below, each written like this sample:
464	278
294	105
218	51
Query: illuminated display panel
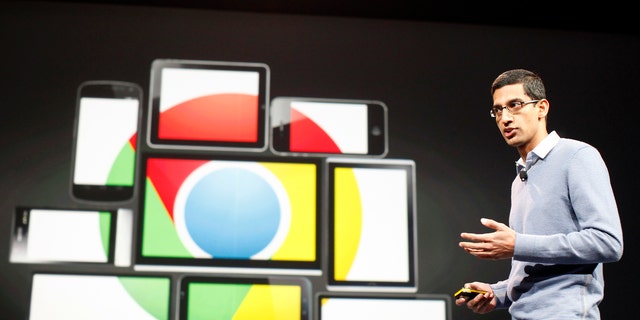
53	235
208	105
328	127
104	159
268	298
106	142
347	306
256	213
372	225
99	296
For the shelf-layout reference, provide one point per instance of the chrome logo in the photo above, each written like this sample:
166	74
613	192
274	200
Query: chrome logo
232	210
229	209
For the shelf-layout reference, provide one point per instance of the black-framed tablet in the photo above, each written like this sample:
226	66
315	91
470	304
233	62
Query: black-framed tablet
61	235
252	214
236	297
208	105
382	306
99	296
372	244
328	127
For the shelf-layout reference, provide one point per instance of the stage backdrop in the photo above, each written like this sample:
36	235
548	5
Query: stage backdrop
433	77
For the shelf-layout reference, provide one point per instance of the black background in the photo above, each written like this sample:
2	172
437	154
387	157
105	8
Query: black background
432	72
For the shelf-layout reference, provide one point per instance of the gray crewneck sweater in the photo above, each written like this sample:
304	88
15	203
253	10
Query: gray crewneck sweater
567	225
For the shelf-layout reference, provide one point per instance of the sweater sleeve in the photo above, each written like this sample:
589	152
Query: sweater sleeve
500	293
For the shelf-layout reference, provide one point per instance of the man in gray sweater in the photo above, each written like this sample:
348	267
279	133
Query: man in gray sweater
563	222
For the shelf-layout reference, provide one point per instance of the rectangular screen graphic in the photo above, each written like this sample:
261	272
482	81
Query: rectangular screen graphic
372	221
92	296
95	152
383	306
208	105
47	235
229	213
314	126
219	298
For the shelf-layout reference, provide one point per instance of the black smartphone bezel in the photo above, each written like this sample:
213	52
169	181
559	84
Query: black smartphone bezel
303	283
377	136
157	67
111	90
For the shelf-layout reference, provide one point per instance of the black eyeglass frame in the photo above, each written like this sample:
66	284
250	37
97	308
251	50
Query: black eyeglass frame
513	107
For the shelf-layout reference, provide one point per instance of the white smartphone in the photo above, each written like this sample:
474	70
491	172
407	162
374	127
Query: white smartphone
105	140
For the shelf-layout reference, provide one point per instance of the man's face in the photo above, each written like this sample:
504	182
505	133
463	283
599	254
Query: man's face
525	126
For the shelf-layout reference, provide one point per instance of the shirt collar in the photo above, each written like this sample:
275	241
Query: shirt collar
540	151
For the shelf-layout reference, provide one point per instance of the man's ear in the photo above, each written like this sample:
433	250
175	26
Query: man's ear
543	108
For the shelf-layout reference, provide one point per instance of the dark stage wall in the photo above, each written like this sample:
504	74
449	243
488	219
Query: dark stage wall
433	77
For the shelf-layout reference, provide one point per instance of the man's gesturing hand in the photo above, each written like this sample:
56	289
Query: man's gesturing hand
494	245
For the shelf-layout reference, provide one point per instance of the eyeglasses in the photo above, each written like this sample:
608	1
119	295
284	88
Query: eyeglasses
513	107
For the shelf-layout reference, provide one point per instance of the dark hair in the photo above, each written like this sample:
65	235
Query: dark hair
532	83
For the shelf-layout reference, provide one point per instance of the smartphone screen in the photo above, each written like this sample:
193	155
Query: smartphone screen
106	127
54	235
313	126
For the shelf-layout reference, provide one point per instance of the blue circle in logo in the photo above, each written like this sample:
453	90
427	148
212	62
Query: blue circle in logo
232	213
